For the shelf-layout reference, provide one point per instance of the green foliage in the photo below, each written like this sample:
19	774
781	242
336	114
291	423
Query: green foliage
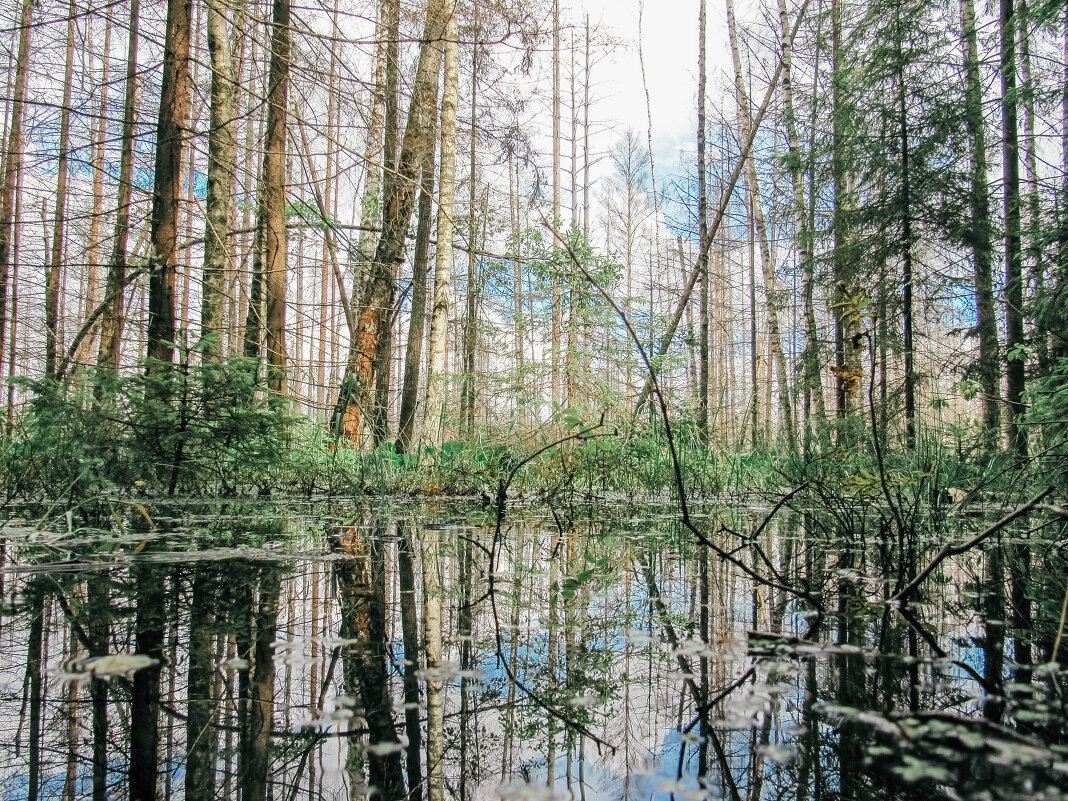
183	429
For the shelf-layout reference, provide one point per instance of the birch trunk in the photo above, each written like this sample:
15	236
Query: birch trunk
467	398
439	323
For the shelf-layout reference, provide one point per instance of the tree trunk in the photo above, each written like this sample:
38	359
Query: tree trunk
467	399
979	232
375	150
55	264
906	249
768	268
847	369
517	285
557	298
92	273
273	199
222	182
13	161
1014	342
439	323
397	210
112	322
813	387
167	184
1035	260
417	322
702	222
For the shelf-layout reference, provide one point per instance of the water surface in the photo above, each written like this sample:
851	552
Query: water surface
280	650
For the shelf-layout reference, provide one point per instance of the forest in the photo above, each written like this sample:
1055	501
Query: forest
419	398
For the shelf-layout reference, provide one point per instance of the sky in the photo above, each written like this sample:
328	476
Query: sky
669	36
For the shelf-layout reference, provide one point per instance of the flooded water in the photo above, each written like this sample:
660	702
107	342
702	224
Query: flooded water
314	650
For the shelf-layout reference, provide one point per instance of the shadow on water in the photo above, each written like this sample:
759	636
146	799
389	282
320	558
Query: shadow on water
418	651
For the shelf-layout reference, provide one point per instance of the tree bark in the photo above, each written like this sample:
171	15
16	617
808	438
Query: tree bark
906	247
222	182
167	184
397	210
1035	260
417	322
111	325
273	199
979	237
92	272
13	161
847	369
55	264
467	398
385	77
1013	257
439	323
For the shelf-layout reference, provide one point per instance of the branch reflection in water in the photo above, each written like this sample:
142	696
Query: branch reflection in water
591	651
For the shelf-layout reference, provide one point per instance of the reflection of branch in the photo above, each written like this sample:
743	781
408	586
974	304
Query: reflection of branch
529	693
940	652
955	550
676	465
684	665
502	497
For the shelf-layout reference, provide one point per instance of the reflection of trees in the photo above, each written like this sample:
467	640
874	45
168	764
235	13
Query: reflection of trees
870	673
361	589
259	701
149	626
410	628
202	735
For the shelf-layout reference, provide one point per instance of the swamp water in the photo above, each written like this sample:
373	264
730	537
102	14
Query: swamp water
281	652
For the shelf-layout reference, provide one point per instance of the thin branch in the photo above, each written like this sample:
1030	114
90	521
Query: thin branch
955	550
